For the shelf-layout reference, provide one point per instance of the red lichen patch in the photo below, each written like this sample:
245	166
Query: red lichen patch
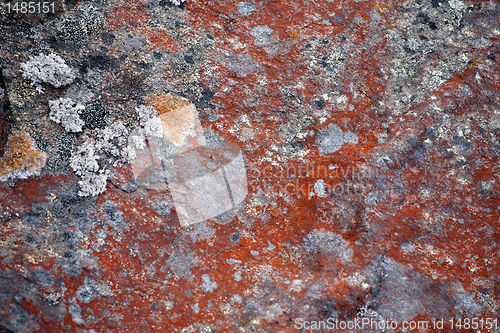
160	40
18	199
120	176
127	14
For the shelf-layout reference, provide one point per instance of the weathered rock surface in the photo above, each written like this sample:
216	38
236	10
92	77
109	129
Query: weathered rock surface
368	133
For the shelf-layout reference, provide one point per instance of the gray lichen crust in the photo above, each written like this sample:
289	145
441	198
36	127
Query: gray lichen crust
331	139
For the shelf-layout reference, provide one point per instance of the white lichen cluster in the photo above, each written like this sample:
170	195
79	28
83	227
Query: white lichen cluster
320	188
47	69
112	141
177	2
85	165
112	147
102	149
67	113
150	127
149	121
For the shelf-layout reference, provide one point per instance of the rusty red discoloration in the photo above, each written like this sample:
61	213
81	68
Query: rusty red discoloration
458	223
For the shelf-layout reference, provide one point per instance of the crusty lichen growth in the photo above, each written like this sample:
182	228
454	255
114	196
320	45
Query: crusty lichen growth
47	69
92	161
22	159
67	113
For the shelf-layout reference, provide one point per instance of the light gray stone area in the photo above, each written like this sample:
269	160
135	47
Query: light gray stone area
327	243
262	34
208	285
333	138
245	8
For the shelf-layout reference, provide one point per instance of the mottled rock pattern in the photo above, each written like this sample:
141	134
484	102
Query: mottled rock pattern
388	109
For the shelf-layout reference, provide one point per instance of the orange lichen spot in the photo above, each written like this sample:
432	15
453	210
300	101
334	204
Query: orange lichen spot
22	159
380	7
164	103
475	63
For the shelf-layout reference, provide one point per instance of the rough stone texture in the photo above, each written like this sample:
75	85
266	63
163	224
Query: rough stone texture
369	132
